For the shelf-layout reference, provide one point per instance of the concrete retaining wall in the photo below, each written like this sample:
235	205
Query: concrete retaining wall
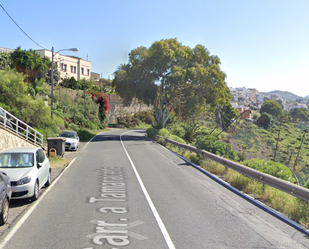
10	140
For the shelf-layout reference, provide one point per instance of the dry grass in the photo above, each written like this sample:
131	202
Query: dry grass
58	162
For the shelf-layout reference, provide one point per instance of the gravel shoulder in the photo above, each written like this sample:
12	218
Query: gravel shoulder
59	165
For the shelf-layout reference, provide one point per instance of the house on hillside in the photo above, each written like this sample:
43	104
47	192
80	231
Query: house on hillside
7	50
247	114
69	66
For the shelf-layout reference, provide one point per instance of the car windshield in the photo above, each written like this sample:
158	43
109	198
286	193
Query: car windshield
16	160
68	134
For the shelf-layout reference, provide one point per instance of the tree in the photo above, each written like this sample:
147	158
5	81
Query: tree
271	107
4	60
299	114
14	97
161	74
31	64
70	83
265	120
12	87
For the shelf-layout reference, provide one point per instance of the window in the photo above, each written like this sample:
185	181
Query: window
88	72
82	70
40	156
71	69
63	67
74	69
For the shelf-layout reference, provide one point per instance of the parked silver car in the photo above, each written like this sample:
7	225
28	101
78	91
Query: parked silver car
28	169
5	196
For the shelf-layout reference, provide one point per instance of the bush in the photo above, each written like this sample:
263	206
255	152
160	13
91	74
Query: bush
211	145
128	120
85	134
146	117
177	130
177	139
272	168
164	133
152	133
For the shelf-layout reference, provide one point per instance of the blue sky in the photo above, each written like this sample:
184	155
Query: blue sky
262	44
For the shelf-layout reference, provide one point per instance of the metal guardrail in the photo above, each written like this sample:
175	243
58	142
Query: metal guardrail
285	186
19	127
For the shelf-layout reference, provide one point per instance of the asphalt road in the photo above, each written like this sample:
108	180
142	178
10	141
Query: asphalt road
129	192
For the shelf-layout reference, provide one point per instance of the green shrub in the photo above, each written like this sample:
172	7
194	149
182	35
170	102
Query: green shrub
272	168
146	117
152	133
164	133
211	145
177	139
177	130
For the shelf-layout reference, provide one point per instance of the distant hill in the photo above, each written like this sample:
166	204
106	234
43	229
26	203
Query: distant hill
286	95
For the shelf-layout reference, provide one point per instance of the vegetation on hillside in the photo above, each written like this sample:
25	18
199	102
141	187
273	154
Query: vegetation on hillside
25	91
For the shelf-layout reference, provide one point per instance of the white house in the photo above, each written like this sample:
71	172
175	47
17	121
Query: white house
69	66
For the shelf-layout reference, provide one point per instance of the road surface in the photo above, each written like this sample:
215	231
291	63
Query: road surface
125	191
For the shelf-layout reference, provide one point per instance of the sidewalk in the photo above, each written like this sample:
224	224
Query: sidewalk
69	156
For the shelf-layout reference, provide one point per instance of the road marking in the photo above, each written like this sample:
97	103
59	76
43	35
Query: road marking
150	203
31	209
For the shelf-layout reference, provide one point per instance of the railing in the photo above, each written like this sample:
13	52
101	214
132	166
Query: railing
287	187
20	128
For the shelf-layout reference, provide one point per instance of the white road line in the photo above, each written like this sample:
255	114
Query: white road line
150	203
31	209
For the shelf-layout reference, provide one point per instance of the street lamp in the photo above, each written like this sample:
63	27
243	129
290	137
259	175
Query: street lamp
52	76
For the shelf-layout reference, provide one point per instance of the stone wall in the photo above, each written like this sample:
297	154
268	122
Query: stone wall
10	140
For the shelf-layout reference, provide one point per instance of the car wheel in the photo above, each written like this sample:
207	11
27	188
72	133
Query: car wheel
36	191
47	183
4	212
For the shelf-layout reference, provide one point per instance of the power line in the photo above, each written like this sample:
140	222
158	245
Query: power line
20	27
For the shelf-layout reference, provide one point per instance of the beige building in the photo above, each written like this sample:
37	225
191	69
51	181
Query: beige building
69	66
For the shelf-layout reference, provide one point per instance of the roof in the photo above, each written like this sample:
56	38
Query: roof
69	131
21	149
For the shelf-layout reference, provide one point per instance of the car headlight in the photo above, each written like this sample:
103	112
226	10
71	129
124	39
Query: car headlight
24	180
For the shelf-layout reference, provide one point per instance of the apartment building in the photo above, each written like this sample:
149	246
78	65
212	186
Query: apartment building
69	66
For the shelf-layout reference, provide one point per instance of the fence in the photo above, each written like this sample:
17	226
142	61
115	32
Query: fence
277	183
20	128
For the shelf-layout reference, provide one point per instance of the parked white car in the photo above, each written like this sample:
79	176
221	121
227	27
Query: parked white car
72	139
28	169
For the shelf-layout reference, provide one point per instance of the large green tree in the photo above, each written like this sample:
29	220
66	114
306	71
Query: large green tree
164	72
5	60
14	97
299	114
271	107
31	64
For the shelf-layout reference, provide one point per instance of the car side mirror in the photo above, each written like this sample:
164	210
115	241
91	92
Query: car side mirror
40	165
